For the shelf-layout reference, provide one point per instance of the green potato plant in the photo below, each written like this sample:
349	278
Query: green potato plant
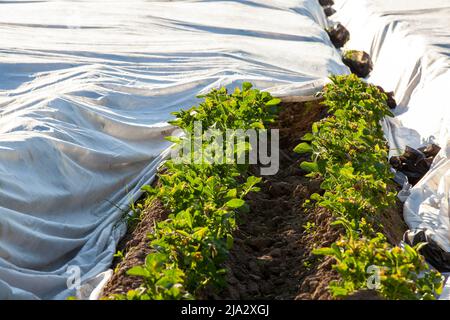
349	153
397	273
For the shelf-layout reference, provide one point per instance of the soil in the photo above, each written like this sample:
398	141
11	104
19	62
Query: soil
394	227
271	257
135	246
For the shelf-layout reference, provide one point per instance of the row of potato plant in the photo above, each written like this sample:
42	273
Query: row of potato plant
189	248
349	154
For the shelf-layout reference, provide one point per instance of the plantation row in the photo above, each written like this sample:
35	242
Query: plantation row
192	244
349	154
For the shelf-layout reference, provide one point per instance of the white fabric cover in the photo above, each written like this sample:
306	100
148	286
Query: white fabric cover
86	88
409	41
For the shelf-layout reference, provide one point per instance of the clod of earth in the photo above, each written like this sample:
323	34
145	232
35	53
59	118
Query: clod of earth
415	163
359	62
326	2
329	11
435	255
430	150
339	35
390	98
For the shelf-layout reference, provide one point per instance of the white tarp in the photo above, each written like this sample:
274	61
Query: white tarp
409	41
86	88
